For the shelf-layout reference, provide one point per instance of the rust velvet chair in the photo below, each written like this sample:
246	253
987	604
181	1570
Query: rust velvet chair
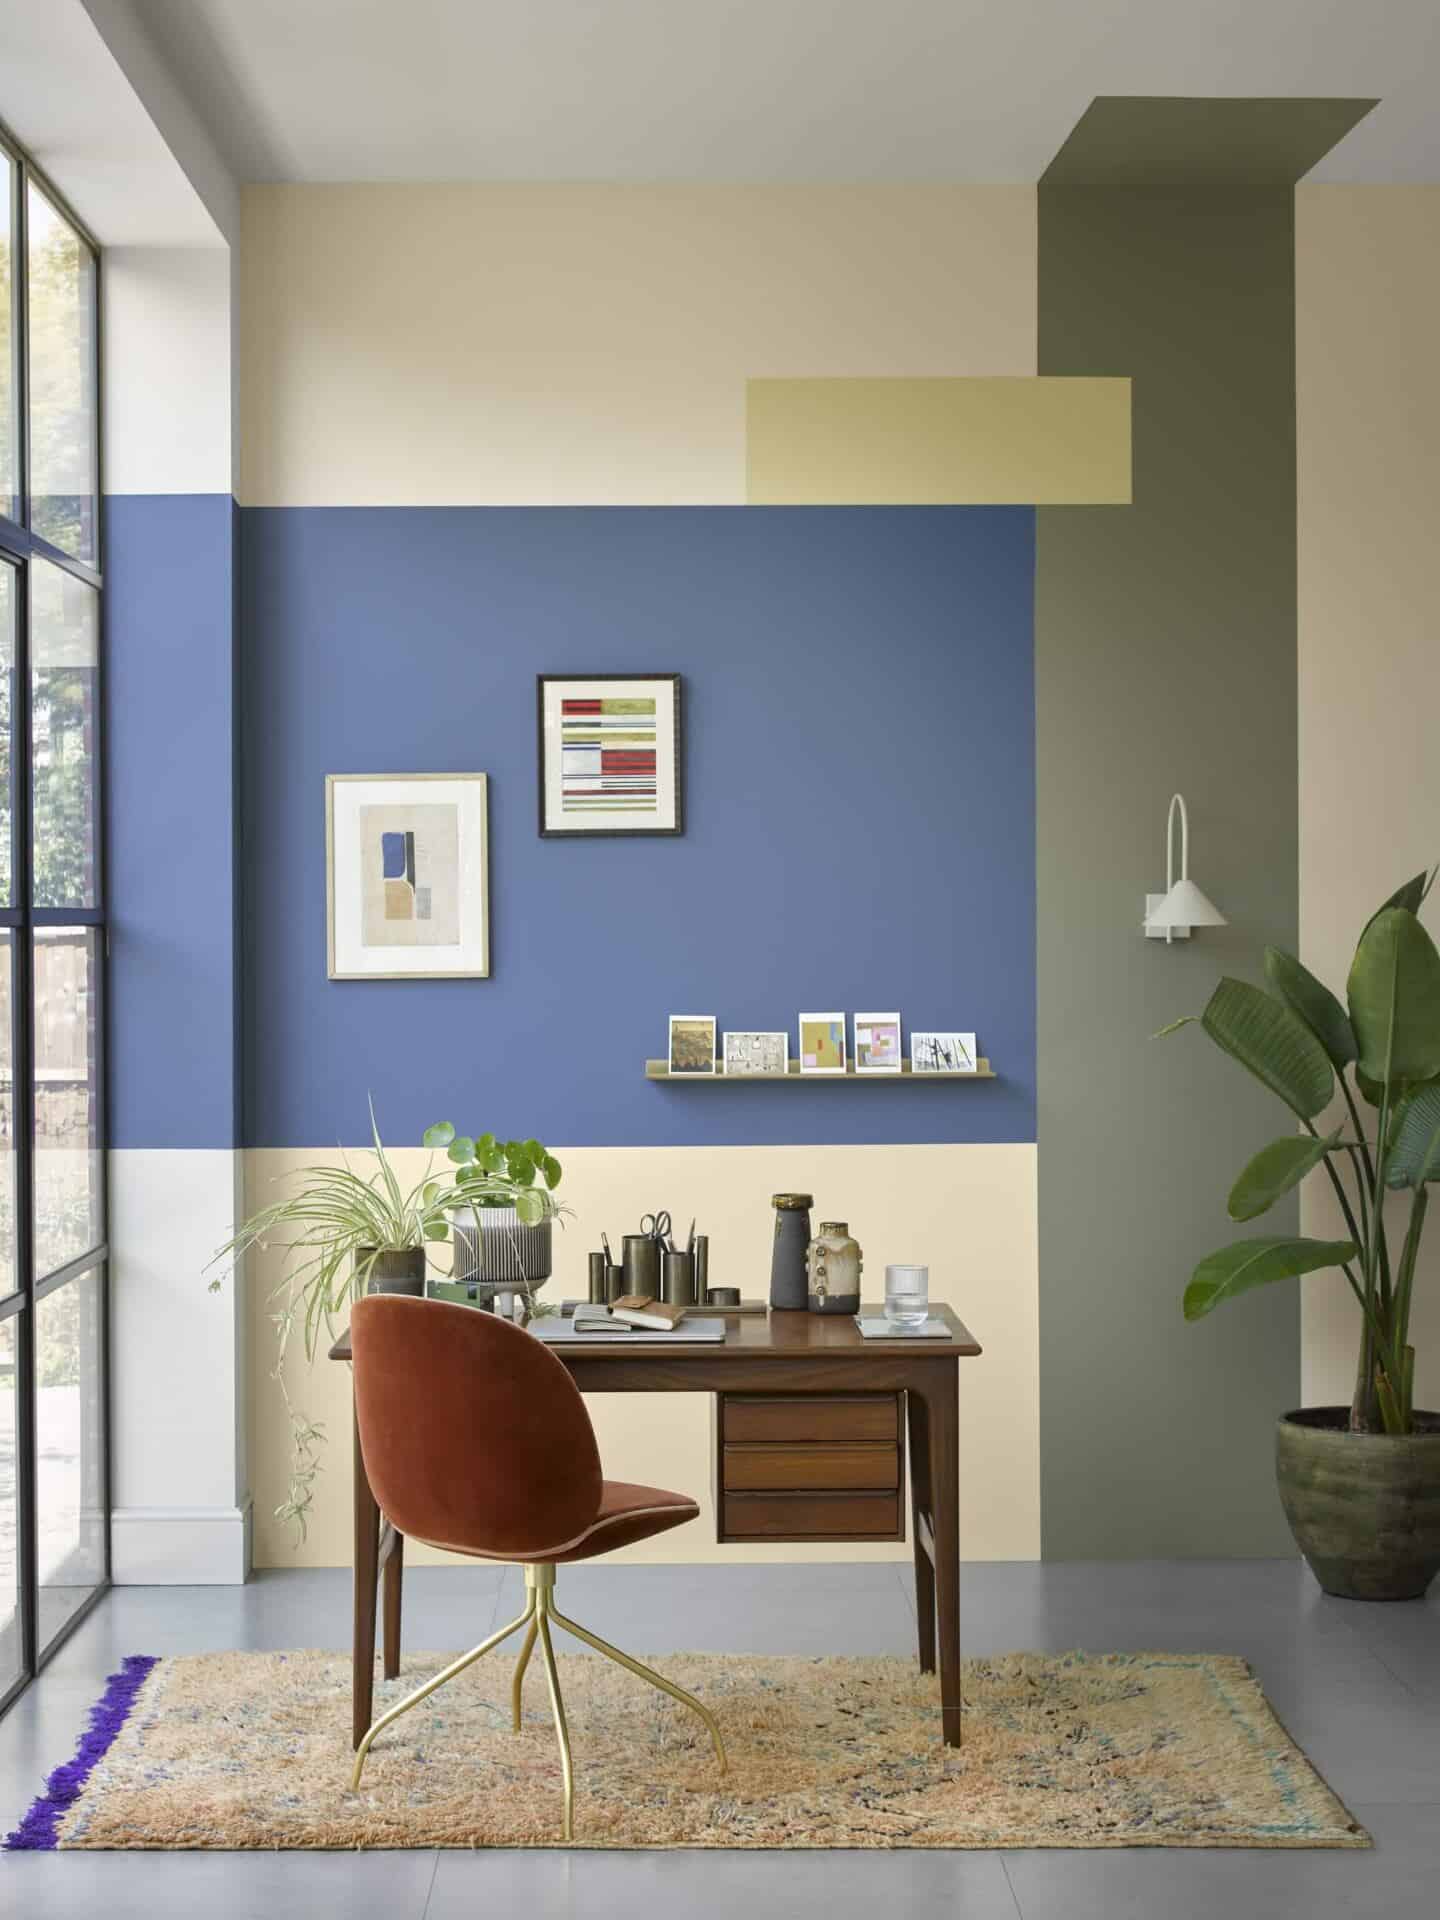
476	1439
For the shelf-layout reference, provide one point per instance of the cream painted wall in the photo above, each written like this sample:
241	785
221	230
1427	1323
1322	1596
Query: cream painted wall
969	1211
1367	275
543	345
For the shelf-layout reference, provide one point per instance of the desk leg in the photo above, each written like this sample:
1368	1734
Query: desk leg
942	1418
367	1551
394	1577
921	1503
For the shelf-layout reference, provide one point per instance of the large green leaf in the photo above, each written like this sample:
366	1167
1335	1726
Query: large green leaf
1315	1004
1275	1170
1411	897
1272	1043
1394	995
1247	1264
1414	1155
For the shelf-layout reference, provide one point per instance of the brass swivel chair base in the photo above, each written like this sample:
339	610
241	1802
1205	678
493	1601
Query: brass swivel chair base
540	1612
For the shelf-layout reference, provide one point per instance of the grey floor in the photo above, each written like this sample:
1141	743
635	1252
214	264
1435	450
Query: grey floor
1358	1687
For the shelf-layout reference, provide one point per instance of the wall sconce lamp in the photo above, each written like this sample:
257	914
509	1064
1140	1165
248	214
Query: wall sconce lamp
1170	915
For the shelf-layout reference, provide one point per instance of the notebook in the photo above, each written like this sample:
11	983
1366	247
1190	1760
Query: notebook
875	1326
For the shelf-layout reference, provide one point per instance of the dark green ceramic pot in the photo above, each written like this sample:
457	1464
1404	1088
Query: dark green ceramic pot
397	1270
1364	1507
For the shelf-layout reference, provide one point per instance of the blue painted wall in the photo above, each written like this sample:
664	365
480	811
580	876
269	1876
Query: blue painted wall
170	711
859	805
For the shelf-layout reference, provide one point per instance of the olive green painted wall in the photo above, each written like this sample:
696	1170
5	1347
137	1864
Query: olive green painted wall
1165	660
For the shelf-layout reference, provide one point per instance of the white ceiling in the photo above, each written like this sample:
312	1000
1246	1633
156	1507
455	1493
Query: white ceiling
762	90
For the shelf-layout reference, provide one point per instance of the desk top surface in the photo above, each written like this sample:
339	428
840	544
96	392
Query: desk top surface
783	1336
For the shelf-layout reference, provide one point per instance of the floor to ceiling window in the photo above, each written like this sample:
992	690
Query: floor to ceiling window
54	1501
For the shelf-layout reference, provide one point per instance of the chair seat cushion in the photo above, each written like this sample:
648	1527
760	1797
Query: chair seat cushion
627	1512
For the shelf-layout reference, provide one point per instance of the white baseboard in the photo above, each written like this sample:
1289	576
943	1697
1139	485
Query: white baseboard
180	1546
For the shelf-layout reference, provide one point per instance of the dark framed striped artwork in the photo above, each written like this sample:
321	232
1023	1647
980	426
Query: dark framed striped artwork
611	754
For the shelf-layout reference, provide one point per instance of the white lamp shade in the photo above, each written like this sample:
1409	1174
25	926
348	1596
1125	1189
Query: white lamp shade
1184	906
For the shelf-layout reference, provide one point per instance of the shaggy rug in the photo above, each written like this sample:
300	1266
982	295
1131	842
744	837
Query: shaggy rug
246	1750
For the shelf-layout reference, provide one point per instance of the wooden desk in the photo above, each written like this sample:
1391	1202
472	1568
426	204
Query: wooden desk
784	1353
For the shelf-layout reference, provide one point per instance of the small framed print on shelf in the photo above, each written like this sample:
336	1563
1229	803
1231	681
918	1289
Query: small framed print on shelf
611	752
407	876
822	1043
692	1043
943	1053
877	1043
757	1056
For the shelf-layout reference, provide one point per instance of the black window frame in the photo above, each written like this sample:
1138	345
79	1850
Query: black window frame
21	548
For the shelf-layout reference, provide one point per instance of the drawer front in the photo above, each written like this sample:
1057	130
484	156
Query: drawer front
811	1417
811	1516
843	1466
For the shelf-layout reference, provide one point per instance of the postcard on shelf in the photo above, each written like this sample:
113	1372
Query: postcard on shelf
877	1043
757	1055
692	1043
822	1043
943	1053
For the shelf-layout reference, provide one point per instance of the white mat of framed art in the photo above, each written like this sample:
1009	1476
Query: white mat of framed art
407	876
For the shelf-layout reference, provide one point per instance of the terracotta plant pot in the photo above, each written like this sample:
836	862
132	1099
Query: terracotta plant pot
397	1270
1364	1507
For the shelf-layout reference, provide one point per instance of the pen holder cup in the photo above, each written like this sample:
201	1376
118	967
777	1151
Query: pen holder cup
640	1260
678	1280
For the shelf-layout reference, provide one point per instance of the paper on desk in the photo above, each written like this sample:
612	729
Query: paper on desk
563	1333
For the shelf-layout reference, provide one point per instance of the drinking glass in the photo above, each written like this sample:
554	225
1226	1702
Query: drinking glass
907	1296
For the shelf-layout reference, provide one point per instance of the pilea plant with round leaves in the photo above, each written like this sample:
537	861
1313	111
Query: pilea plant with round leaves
498	1173
1299	1041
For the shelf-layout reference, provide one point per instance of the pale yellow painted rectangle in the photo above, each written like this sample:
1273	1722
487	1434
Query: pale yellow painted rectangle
938	442
967	1211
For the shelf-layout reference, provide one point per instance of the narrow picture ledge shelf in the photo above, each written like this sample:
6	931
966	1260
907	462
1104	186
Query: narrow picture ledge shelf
660	1070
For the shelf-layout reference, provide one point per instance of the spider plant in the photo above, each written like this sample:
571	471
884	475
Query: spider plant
337	1223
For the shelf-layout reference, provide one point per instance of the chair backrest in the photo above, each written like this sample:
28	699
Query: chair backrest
473	1433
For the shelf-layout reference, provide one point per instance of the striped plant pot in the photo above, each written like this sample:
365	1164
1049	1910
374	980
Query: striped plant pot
501	1252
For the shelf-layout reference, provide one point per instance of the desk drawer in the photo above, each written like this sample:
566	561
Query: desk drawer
843	1466
811	1417
810	1516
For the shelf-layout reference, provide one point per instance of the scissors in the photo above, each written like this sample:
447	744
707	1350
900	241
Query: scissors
656	1225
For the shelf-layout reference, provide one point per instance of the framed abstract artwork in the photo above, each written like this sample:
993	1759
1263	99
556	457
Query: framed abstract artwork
407	876
610	750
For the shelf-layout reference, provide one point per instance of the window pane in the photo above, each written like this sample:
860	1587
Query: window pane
68	1192
9	1275
11	1652
9	615
9	386
61	293
64	704
70	1454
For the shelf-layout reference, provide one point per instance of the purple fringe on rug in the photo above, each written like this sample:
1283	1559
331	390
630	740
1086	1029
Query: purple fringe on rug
39	1831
